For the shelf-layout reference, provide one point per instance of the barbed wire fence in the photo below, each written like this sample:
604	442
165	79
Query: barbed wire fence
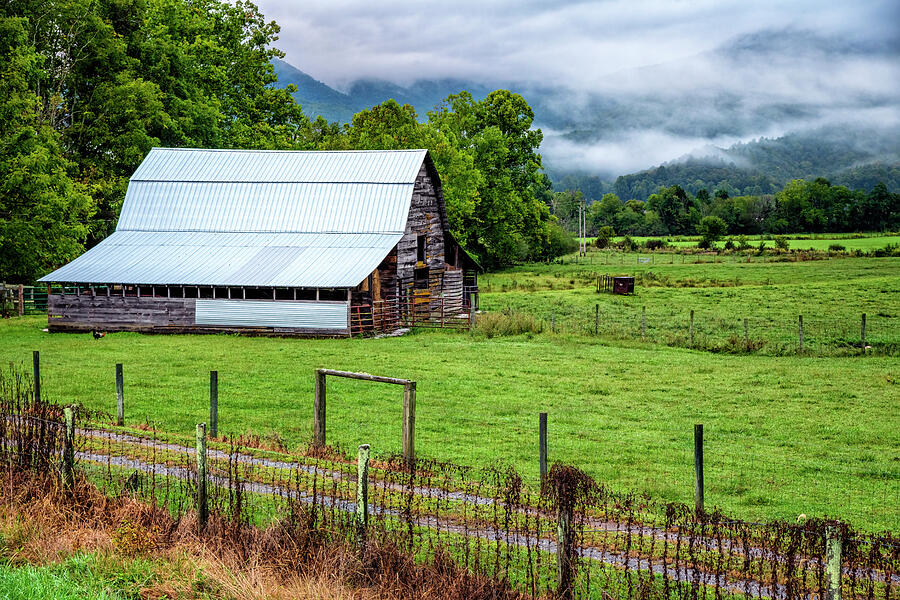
571	536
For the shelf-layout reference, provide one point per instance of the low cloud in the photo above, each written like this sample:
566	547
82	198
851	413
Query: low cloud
621	85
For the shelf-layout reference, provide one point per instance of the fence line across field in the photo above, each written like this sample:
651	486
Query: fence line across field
570	536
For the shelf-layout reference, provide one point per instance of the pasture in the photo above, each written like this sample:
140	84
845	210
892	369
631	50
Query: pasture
831	295
821	241
785	435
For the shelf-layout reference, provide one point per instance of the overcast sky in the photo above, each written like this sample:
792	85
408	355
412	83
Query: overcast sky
840	57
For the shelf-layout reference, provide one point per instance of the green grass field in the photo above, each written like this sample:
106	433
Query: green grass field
785	435
831	295
850	241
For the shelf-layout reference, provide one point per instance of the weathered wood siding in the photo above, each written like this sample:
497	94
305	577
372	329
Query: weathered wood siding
147	314
424	219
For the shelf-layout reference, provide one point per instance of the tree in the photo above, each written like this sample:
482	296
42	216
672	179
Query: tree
510	221
711	230
42	209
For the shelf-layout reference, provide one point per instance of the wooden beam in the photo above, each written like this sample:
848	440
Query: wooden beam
364	376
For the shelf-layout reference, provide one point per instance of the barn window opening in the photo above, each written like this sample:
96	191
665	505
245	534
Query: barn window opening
306	294
259	293
333	295
421	277
284	294
420	248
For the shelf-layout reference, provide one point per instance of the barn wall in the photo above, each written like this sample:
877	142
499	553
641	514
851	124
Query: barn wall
424	219
157	315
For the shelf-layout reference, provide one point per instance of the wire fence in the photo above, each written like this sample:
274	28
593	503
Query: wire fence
569	537
707	329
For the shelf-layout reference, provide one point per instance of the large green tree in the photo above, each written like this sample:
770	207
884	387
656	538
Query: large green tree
509	221
42	208
118	77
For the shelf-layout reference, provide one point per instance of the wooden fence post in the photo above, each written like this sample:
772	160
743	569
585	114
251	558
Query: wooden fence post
214	404
564	548
863	330
800	321
21	300
596	319
746	333
553	322
409	422
36	363
319	410
692	328
833	550
643	322
120	396
698	467
542	445
202	508
362	494
68	466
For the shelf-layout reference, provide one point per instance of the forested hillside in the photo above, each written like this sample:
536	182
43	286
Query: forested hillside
858	158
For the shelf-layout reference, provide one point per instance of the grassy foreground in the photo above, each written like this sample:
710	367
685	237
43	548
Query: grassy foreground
784	435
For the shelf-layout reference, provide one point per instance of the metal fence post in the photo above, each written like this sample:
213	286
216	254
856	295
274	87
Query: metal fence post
800	321
746	333
68	465
833	549
120	396
863	330
596	319
214	404
362	494
698	467
202	508
643	322
542	445
36	360
692	327
564	549
319	410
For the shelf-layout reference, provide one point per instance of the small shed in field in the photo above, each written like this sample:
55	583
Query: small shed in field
271	242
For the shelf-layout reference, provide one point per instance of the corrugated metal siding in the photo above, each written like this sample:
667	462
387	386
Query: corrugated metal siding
230	259
259	313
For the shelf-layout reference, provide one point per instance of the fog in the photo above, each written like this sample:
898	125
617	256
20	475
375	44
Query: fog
618	86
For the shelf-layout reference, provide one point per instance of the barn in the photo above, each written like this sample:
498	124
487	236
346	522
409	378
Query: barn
271	242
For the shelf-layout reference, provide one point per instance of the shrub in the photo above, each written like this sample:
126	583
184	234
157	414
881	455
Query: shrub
729	244
506	322
704	244
655	244
711	229
837	248
605	234
889	250
743	243
561	242
781	242
628	244
761	249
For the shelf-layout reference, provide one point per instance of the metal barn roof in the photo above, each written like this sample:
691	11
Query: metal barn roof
254	218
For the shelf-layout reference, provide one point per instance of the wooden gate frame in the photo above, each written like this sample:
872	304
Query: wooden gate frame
409	407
